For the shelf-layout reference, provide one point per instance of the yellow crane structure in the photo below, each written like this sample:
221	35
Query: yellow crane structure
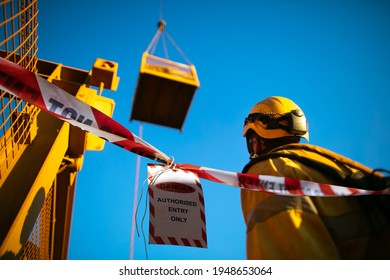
41	155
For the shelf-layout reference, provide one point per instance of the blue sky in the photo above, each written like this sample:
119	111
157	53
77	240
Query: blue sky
330	57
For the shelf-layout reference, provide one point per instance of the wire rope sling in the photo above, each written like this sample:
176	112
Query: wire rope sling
165	88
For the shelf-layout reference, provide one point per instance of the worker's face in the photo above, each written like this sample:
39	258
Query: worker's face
254	145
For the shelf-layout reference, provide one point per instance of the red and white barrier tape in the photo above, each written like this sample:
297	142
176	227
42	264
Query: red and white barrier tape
275	184
37	91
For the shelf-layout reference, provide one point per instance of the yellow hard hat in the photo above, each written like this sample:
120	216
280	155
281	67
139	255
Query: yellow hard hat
276	117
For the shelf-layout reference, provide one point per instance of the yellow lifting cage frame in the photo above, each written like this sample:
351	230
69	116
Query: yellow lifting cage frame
18	30
40	155
18	43
165	88
169	69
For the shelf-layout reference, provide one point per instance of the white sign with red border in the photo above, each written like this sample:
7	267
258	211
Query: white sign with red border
176	205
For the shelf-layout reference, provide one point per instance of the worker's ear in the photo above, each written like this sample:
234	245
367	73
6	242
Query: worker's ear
249	144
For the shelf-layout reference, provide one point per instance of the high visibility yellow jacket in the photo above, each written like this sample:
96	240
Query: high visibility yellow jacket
284	227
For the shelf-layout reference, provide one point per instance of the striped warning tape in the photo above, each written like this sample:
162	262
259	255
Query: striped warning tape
275	184
37	91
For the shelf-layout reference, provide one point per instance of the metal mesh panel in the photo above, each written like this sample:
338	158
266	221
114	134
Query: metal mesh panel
18	43
38	244
18	26
18	31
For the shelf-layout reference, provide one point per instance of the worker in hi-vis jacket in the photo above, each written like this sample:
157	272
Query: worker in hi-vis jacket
303	227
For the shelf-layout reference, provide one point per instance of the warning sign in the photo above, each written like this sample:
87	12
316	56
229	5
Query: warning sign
176	207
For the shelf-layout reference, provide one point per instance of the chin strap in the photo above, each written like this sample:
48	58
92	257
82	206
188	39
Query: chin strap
253	156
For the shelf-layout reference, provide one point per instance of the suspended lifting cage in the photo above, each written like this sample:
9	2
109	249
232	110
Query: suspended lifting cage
165	88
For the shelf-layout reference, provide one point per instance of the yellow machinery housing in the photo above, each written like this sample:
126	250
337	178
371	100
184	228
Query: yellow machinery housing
41	155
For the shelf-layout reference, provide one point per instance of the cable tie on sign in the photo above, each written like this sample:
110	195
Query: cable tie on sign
172	165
